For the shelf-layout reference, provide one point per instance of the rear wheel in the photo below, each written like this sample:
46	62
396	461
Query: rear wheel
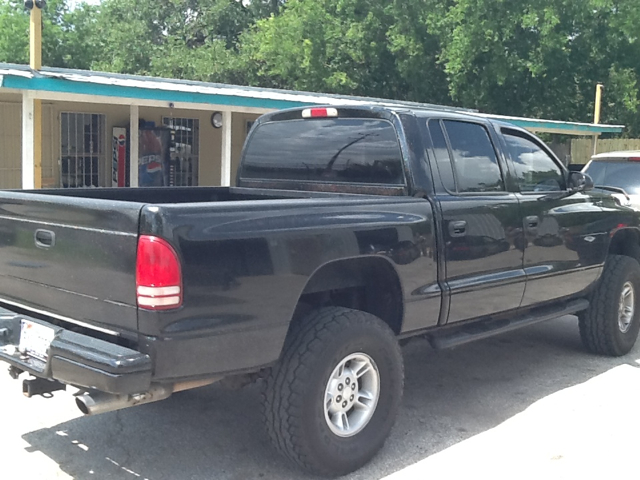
331	401
610	326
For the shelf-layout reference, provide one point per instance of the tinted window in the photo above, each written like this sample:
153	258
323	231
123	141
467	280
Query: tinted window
625	175
327	150
535	170
475	159
441	152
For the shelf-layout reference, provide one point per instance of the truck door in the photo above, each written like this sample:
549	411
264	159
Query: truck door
481	222
565	235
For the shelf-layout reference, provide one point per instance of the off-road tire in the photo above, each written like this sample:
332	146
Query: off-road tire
294	392
600	328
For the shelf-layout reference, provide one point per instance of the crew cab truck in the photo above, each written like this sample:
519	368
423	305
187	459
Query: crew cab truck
350	230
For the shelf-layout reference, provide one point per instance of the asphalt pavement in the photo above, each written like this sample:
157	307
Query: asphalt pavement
527	404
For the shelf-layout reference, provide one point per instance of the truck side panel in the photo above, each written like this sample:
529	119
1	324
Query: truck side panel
245	269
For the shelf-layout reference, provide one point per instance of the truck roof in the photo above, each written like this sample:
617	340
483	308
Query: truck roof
290	113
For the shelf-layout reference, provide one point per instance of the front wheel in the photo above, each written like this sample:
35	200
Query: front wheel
332	399
610	326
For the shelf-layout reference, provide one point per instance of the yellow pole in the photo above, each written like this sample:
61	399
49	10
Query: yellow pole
35	37
596	110
596	114
35	61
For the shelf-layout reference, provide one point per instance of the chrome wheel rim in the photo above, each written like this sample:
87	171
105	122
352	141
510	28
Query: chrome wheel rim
352	394
626	307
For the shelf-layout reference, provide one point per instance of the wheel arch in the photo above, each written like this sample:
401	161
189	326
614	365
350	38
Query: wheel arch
625	242
370	284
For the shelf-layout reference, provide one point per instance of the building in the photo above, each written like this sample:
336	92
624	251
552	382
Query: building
81	111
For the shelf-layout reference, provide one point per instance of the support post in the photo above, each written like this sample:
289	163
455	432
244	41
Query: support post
28	143
225	159
35	39
594	144
596	115
134	132
35	62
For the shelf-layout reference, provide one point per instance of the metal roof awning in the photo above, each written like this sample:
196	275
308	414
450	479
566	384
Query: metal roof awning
556	126
88	86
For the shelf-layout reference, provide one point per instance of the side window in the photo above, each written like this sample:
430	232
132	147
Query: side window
441	151
475	160
535	170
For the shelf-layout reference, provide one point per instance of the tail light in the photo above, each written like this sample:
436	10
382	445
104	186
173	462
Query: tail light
158	275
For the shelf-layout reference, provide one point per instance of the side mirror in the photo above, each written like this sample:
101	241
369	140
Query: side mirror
580	182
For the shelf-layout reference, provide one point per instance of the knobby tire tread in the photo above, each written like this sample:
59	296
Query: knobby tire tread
596	331
281	400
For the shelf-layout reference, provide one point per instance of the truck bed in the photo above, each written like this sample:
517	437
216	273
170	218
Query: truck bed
59	248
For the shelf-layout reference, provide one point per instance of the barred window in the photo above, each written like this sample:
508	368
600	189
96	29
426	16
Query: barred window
83	152
185	151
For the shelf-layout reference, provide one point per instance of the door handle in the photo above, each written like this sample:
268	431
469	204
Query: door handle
44	238
458	228
531	222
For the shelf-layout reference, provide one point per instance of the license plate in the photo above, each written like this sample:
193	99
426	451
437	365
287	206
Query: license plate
35	339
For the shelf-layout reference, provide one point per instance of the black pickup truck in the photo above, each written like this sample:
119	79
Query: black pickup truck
350	230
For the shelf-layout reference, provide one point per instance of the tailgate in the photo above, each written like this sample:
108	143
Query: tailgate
69	256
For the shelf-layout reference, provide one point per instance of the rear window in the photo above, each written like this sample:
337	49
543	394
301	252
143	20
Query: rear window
625	175
325	150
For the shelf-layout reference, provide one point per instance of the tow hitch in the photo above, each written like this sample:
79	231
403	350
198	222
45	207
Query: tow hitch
41	386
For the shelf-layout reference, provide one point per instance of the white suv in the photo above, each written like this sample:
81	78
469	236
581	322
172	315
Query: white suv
619	173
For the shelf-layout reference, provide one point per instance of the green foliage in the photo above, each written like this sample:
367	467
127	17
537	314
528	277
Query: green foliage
539	58
195	39
543	58
358	47
66	34
14	33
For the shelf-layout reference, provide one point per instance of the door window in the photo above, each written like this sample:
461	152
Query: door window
475	160
535	170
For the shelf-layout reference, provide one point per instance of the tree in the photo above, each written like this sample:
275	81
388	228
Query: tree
194	39
539	58
65	34
14	33
542	58
356	47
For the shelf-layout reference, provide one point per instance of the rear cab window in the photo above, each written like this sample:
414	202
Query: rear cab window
328	150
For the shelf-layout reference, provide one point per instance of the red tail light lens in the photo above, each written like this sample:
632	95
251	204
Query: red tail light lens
634	159
158	275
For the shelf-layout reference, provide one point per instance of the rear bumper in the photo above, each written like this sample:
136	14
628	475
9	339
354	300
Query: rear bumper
77	359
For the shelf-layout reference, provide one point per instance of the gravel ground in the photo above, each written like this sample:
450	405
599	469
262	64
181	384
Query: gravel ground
528	404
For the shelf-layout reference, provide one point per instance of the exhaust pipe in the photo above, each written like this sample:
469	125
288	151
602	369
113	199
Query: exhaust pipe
95	402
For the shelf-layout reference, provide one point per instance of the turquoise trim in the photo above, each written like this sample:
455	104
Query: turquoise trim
541	124
66	86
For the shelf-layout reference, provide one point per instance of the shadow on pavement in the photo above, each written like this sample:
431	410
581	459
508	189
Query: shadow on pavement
212	433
